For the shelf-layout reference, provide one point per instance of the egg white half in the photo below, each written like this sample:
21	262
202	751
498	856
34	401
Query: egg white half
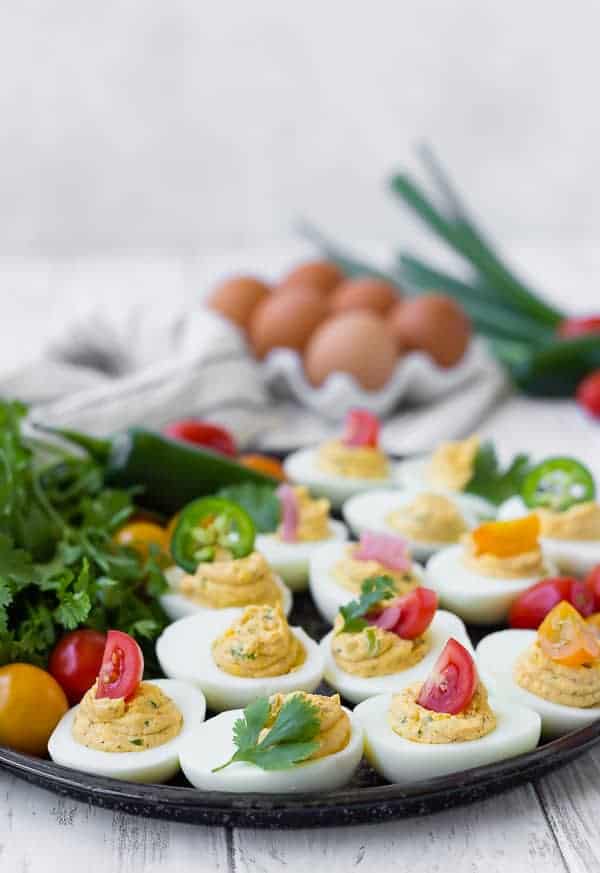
497	654
357	688
476	598
575	557
408	763
369	512
326	592
177	605
150	765
212	745
184	651
291	560
302	468
412	475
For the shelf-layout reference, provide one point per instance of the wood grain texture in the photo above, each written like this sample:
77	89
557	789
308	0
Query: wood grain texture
571	800
43	833
502	835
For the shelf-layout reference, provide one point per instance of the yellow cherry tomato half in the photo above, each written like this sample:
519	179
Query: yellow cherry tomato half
140	535
31	705
505	539
567	638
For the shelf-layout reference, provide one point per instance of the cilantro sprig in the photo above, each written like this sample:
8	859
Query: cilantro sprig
490	481
59	565
260	502
372	591
289	741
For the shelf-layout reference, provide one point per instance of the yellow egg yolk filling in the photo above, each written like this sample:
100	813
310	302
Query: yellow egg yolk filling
232	582
148	720
313	517
260	643
505	549
376	652
350	573
353	462
334	725
451	465
412	721
429	518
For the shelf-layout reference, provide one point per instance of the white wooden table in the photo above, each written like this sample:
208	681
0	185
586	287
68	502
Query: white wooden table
550	826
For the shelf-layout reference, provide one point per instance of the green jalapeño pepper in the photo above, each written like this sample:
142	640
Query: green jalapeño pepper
209	524
557	484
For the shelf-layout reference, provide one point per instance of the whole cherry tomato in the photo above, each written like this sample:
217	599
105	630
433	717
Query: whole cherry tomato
579	326
533	605
202	433
140	535
592	581
122	666
264	464
588	394
31	705
75	661
410	615
452	682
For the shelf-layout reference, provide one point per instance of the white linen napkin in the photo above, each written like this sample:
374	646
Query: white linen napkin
105	374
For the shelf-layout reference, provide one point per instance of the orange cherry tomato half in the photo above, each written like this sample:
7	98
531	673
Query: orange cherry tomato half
409	616
566	638
140	535
122	667
505	539
31	705
264	464
452	683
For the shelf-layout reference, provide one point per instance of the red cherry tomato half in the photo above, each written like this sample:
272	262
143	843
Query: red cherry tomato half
592	583
580	326
75	661
533	605
410	615
361	429
452	683
588	394
202	433
122	667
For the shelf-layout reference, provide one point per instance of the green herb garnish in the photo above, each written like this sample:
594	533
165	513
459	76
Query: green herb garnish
493	483
372	592
288	742
260	502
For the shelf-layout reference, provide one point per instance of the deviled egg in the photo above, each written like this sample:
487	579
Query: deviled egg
396	643
338	570
450	469
328	747
343	467
554	671
480	578
443	725
238	655
562	493
125	728
305	526
427	520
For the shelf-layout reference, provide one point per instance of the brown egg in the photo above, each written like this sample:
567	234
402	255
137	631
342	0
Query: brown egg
236	298
323	276
434	324
365	293
357	342
286	320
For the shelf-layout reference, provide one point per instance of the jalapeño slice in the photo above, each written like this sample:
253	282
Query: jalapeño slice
557	484
207	525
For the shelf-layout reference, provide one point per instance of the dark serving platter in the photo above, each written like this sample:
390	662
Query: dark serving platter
366	799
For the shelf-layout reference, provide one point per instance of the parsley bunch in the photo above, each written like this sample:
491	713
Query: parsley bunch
289	741
59	565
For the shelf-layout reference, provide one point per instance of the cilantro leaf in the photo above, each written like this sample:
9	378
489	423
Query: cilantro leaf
289	741
73	609
372	592
260	502
490	481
